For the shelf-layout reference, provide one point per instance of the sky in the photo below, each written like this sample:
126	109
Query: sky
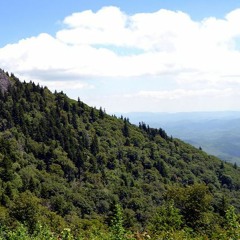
127	55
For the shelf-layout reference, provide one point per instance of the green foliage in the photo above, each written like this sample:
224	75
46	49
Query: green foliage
64	164
194	202
119	233
166	218
25	209
19	234
232	224
66	234
42	232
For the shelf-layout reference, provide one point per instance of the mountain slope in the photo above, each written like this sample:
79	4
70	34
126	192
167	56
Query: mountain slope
216	132
65	163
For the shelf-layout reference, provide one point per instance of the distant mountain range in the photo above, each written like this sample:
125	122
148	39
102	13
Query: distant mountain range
217	133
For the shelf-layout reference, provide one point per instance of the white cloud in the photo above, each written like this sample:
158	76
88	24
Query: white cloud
69	85
170	101
179	100
184	93
197	55
169	41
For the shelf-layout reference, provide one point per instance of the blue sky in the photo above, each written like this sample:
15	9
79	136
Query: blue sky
130	55
26	18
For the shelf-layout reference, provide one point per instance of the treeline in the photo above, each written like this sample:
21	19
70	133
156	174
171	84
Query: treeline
64	164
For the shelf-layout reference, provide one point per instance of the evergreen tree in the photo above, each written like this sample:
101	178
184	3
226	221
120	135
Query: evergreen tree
118	230
95	145
125	129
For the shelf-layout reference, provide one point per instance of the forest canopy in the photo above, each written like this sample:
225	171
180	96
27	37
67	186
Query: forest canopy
65	165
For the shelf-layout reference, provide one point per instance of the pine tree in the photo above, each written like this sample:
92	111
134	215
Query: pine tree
117	224
125	129
95	145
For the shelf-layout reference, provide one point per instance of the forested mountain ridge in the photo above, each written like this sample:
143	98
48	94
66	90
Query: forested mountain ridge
216	132
63	163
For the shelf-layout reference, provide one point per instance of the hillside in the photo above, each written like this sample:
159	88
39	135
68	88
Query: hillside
216	132
63	163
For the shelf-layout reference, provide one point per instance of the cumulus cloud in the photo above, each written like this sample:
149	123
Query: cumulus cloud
184	93
171	100
168	40
69	85
180	100
203	54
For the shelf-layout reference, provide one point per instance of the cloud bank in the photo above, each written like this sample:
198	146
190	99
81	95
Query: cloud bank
200	57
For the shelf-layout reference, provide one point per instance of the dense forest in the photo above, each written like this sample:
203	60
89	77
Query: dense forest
70	171
218	132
